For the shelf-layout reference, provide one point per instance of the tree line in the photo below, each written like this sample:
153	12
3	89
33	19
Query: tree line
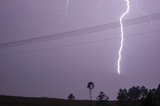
134	96
140	96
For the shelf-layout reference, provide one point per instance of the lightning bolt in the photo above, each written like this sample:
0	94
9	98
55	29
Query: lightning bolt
122	36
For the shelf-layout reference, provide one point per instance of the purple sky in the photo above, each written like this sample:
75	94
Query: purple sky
57	72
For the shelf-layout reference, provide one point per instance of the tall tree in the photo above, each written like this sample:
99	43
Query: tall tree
149	101
156	97
122	94
143	92
90	86
134	93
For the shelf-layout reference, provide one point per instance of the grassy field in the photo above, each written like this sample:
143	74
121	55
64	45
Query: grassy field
30	101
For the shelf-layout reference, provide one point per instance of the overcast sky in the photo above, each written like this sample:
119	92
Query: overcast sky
57	68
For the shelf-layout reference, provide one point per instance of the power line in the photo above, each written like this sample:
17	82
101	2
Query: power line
97	28
83	43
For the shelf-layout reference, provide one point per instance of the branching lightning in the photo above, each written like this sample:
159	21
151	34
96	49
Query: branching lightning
101	3
122	36
141	11
121	27
66	10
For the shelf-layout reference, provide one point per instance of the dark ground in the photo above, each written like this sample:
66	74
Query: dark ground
33	101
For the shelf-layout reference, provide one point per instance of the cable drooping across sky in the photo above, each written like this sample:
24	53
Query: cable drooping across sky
122	37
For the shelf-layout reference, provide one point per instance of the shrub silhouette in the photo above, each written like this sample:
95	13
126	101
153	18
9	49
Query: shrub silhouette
71	97
102	96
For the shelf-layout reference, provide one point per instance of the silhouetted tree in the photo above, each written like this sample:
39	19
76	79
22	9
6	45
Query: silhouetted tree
122	94
102	96
90	86
102	99
134	96
143	92
122	97
134	93
139	96
157	96
149	101
71	97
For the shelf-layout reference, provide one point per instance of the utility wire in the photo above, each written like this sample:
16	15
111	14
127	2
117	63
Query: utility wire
98	28
83	43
